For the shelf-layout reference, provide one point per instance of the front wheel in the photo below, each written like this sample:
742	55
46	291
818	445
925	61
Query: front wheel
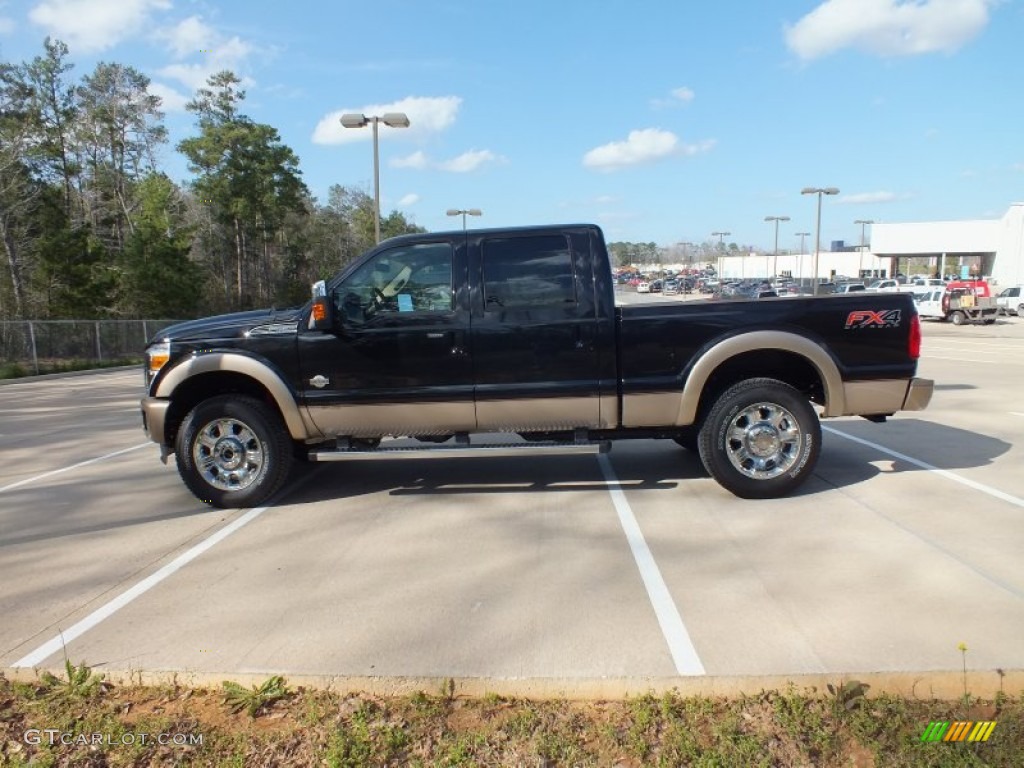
761	439
957	318
233	451
1020	310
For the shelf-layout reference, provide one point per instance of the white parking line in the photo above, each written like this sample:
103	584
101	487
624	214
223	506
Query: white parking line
53	472
672	628
53	645
931	468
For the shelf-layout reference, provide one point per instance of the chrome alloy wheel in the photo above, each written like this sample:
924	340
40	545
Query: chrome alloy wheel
228	454
763	441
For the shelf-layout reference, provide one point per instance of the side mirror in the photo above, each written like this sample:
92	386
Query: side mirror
321	318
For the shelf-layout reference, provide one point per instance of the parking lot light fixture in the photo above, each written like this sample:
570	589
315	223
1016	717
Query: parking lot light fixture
819	191
775	263
392	120
721	236
464	212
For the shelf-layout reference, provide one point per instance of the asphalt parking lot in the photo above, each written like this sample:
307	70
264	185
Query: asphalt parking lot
628	569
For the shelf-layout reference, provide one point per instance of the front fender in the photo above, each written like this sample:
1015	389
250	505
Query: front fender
254	368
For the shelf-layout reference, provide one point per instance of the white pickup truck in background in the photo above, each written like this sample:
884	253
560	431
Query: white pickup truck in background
1010	301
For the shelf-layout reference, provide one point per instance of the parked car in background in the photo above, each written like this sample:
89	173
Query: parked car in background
1011	301
850	288
670	288
643	287
656	286
884	286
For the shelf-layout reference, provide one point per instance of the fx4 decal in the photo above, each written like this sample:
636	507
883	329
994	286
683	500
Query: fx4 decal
869	318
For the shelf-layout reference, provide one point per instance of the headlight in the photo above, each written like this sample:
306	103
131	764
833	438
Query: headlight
157	356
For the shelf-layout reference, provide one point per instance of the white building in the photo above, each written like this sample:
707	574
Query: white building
986	247
800	266
991	248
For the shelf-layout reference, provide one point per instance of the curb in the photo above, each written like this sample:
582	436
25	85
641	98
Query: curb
69	374
933	685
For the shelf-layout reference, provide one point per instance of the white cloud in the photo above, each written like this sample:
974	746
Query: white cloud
867	197
411	199
190	36
464	163
469	161
888	27
224	54
427	115
677	96
171	100
7	25
417	161
94	25
641	147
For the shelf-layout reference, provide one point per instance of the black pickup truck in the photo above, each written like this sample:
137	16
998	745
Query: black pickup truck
445	337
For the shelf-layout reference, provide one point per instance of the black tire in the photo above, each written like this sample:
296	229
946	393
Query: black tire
957	318
789	439
246	455
1020	310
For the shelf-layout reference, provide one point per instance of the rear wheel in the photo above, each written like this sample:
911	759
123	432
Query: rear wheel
761	439
233	451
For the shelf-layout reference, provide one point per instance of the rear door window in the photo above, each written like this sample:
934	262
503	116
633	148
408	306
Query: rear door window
528	272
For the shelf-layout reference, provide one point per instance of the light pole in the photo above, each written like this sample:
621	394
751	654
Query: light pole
721	250
687	255
863	223
464	212
392	120
819	191
800	258
775	263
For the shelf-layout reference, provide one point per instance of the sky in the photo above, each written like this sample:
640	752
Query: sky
660	120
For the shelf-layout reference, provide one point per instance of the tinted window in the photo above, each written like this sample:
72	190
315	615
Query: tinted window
528	272
409	278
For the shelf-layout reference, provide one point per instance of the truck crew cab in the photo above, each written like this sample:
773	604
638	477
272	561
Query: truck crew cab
445	337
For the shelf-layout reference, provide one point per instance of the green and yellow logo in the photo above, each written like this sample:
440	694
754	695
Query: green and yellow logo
958	730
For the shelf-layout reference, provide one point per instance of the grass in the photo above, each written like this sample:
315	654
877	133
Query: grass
10	370
273	725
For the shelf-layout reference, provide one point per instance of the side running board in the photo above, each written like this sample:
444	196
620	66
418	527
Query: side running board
451	451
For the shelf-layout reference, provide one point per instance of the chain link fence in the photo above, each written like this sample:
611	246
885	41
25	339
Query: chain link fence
41	346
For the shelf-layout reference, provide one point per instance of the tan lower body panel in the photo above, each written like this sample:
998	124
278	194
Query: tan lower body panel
542	414
361	420
872	397
533	415
658	409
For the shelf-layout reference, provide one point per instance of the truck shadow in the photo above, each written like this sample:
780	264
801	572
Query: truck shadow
648	465
641	465
911	445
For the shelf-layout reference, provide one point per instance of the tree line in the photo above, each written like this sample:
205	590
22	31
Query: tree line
92	228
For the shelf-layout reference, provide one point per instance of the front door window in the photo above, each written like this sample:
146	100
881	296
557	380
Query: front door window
411	278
